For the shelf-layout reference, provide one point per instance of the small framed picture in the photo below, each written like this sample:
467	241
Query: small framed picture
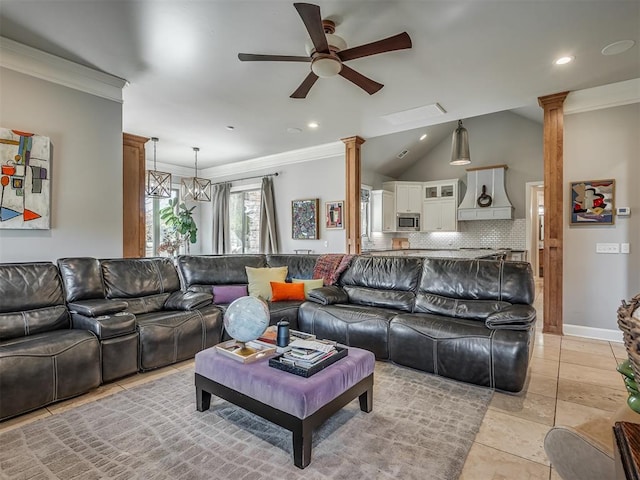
304	219
334	214
592	202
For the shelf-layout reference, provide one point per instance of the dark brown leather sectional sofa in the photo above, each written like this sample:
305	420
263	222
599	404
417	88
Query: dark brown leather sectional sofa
68	328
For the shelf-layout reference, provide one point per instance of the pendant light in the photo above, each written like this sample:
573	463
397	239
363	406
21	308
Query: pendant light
194	188
158	184
460	146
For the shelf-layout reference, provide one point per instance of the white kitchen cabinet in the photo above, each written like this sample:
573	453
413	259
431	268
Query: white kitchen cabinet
439	206
383	212
408	196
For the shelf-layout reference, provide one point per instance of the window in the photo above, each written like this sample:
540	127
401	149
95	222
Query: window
244	219
156	235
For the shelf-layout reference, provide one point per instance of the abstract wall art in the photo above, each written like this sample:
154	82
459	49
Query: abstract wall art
25	180
334	214
592	202
304	219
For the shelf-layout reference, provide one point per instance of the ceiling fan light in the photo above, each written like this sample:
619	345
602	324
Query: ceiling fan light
326	66
460	146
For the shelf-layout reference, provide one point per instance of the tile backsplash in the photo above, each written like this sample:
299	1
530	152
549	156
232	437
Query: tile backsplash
471	234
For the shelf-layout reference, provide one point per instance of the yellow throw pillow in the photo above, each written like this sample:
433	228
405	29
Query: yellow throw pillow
260	280
309	284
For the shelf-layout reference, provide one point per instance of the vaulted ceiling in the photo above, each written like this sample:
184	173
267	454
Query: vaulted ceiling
186	84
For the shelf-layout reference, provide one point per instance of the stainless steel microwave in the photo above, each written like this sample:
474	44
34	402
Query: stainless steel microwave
408	222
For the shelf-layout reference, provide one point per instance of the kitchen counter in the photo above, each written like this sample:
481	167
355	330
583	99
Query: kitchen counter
452	253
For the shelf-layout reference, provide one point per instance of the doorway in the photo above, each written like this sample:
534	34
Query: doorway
535	226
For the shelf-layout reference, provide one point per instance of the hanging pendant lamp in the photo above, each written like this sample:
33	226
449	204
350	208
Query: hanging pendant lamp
158	184
194	188
460	146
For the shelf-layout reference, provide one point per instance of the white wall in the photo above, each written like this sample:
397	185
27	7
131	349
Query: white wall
323	179
86	169
495	139
601	144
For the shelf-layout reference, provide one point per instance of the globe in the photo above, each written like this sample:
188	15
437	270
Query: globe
246	318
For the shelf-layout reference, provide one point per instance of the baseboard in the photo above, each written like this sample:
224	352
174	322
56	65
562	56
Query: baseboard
591	332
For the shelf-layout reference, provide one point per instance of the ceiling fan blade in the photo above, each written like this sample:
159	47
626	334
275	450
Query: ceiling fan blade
397	42
310	15
250	57
360	80
305	86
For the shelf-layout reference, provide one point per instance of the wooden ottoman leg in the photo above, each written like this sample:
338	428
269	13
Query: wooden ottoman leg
203	399
302	440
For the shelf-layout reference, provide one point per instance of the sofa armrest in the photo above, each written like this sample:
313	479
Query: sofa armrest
106	326
515	317
188	300
98	307
328	295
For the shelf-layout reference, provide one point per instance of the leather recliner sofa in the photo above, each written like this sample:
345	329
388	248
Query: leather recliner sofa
470	320
171	325
42	359
200	273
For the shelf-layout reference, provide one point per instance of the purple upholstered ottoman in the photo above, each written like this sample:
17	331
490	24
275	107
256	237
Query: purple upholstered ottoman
296	403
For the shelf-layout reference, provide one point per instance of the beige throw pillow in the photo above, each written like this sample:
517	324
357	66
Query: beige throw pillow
309	284
260	280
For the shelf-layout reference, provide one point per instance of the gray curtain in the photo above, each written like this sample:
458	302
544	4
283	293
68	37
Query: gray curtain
220	232
268	225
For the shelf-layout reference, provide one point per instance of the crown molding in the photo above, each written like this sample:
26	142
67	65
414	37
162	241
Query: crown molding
318	152
30	61
605	96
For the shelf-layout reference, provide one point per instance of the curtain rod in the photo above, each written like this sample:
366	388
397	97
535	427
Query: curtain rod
248	178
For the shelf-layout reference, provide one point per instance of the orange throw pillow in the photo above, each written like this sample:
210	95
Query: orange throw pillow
286	291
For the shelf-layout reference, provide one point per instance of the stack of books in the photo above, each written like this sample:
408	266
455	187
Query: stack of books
308	353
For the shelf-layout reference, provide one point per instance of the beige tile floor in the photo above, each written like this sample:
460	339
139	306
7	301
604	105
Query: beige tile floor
509	443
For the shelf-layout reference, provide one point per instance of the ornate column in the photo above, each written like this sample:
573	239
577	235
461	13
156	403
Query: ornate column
553	143
352	200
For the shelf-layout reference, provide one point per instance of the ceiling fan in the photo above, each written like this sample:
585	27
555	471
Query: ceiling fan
328	52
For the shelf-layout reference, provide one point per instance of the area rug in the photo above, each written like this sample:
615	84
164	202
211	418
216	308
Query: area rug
421	427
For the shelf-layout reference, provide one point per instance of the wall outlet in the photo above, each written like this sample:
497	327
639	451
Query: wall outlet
624	248
607	248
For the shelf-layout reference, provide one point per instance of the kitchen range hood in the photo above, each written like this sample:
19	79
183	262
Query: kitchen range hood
486	197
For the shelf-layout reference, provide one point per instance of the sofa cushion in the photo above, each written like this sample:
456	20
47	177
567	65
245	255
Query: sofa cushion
298	266
31	322
260	280
465	279
82	278
330	267
225	294
458	308
138	277
28	286
375	297
281	291
309	284
198	270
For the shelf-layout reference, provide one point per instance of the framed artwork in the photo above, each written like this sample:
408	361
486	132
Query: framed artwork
334	214
25	180
304	219
592	202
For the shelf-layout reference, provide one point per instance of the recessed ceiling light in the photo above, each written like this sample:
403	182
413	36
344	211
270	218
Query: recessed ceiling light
230	127
313	124
564	60
294	130
423	136
618	47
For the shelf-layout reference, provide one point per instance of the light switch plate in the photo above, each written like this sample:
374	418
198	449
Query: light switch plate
624	248
607	248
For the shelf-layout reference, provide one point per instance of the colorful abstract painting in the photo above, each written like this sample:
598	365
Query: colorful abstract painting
592	202
304	219
25	180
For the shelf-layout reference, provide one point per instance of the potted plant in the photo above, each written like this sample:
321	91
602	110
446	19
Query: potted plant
182	227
